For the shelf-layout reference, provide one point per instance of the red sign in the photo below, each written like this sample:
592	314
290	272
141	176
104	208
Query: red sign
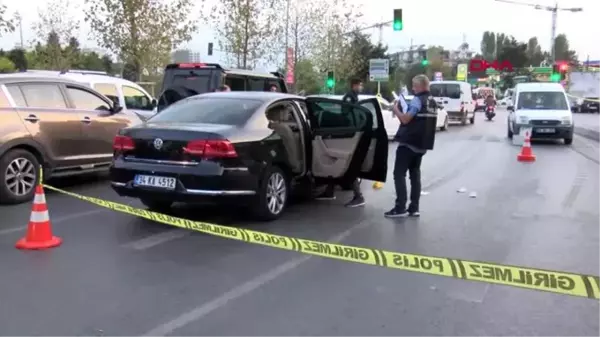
289	77
483	65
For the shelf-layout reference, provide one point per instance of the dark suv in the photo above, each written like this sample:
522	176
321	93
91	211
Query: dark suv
182	80
62	125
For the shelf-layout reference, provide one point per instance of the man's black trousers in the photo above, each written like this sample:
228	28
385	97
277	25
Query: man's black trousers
407	161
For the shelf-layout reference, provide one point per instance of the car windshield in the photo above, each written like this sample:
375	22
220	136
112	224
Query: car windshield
542	100
209	110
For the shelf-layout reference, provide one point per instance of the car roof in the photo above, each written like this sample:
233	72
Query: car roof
528	87
85	76
360	97
243	72
35	77
265	96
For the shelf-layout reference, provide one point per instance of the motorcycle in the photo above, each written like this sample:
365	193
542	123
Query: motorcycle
490	112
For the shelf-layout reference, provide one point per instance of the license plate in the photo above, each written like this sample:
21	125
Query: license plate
549	130
593	108
154	181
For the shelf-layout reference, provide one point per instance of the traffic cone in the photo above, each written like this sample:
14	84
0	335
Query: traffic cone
39	231
526	154
377	185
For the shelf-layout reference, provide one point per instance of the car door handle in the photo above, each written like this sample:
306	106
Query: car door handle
86	120
32	118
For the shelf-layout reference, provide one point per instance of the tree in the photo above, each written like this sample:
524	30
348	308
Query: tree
562	51
514	52
308	78
137	30
435	56
6	66
54	18
18	58
488	41
534	52
6	24
246	29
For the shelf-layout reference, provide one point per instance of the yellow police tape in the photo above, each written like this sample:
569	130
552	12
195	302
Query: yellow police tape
545	280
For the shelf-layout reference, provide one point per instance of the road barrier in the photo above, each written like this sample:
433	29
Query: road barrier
572	284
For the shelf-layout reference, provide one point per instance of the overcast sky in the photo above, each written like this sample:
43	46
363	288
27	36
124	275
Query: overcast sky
429	22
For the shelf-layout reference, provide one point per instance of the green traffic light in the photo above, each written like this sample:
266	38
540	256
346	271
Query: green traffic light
330	83
555	77
397	25
424	62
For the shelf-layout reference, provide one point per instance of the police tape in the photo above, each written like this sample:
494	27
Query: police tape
585	99
572	284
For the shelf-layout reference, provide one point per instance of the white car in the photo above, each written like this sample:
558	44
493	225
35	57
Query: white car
392	123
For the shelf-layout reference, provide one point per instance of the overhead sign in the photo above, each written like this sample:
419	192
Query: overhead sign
438	76
379	70
462	72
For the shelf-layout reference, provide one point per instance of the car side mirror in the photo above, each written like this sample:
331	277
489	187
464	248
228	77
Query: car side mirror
116	108
154	103
510	108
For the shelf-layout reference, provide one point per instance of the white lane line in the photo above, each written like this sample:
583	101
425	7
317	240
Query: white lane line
55	220
241	290
156	239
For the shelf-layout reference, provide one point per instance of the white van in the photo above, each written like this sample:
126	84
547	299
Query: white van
457	99
128	94
544	108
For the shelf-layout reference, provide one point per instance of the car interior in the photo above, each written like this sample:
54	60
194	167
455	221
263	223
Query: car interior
283	121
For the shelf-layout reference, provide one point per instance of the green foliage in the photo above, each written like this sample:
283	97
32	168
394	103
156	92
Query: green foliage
6	65
140	32
6	24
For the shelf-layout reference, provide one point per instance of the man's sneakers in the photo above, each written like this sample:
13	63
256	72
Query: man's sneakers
357	201
400	213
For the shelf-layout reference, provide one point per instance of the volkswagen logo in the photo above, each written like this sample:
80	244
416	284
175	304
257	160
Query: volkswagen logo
158	143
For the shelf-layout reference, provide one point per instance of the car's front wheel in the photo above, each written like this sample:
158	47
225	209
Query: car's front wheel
568	141
272	197
19	170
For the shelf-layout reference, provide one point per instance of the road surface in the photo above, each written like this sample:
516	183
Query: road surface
120	275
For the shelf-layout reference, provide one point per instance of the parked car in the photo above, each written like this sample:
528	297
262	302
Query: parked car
248	148
456	98
129	95
60	124
183	80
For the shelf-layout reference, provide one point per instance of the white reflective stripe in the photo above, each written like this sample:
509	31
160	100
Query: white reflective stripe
39	216
426	115
39	199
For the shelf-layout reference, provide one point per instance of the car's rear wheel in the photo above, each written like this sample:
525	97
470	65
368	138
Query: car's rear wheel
568	141
19	170
509	133
472	119
156	204
463	120
272	197
445	126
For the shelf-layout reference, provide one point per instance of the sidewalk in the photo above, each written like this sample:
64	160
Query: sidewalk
587	125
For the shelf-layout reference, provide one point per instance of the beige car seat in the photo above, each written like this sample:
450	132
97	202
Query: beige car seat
291	141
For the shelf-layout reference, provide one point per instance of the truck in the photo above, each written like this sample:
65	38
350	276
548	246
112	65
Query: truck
583	89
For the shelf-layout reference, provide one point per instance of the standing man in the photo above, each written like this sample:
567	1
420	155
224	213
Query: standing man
414	139
358	200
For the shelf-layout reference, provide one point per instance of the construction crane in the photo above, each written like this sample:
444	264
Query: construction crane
379	25
554	9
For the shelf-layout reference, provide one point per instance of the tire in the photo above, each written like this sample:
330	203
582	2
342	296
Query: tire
29	174
270	183
509	133
464	119
472	119
445	126
157	205
568	141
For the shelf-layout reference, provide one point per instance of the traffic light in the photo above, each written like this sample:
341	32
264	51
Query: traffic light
397	19
330	80
424	62
210	49
423	55
555	77
563	68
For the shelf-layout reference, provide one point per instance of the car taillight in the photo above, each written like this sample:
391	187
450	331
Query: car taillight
210	148
123	143
191	65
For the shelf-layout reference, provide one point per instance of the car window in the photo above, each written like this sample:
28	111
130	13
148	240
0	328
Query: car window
109	90
449	90
209	110
136	99
17	95
542	100
43	96
235	83
85	100
371	107
271	82
256	84
336	115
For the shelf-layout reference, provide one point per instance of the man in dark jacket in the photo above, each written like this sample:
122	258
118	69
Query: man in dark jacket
411	147
358	200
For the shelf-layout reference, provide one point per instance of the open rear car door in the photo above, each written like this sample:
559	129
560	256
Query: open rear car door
374	167
341	133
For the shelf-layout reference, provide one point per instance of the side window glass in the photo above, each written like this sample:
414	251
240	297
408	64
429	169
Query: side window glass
236	83
369	106
108	90
135	99
275	83
86	100
337	115
17	95
43	96
256	84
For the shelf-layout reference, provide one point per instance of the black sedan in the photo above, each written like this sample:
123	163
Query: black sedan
249	148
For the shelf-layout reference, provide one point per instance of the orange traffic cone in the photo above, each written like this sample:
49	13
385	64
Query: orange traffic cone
526	154
39	231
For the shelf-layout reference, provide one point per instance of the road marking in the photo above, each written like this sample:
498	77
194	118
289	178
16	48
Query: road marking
54	220
156	239
241	290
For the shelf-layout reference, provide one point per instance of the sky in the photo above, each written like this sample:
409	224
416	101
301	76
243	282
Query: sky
427	22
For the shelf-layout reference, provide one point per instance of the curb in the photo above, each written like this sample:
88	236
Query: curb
588	133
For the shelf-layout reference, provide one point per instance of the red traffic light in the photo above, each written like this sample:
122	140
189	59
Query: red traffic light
564	67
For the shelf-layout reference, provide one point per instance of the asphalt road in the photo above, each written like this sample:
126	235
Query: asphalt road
587	125
119	275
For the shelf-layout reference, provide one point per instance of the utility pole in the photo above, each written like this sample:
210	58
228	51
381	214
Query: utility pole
20	23
554	9
287	34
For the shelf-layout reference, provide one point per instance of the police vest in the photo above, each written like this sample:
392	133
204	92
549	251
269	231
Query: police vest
420	131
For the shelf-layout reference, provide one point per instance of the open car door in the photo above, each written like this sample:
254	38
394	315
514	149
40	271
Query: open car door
374	167
341	133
